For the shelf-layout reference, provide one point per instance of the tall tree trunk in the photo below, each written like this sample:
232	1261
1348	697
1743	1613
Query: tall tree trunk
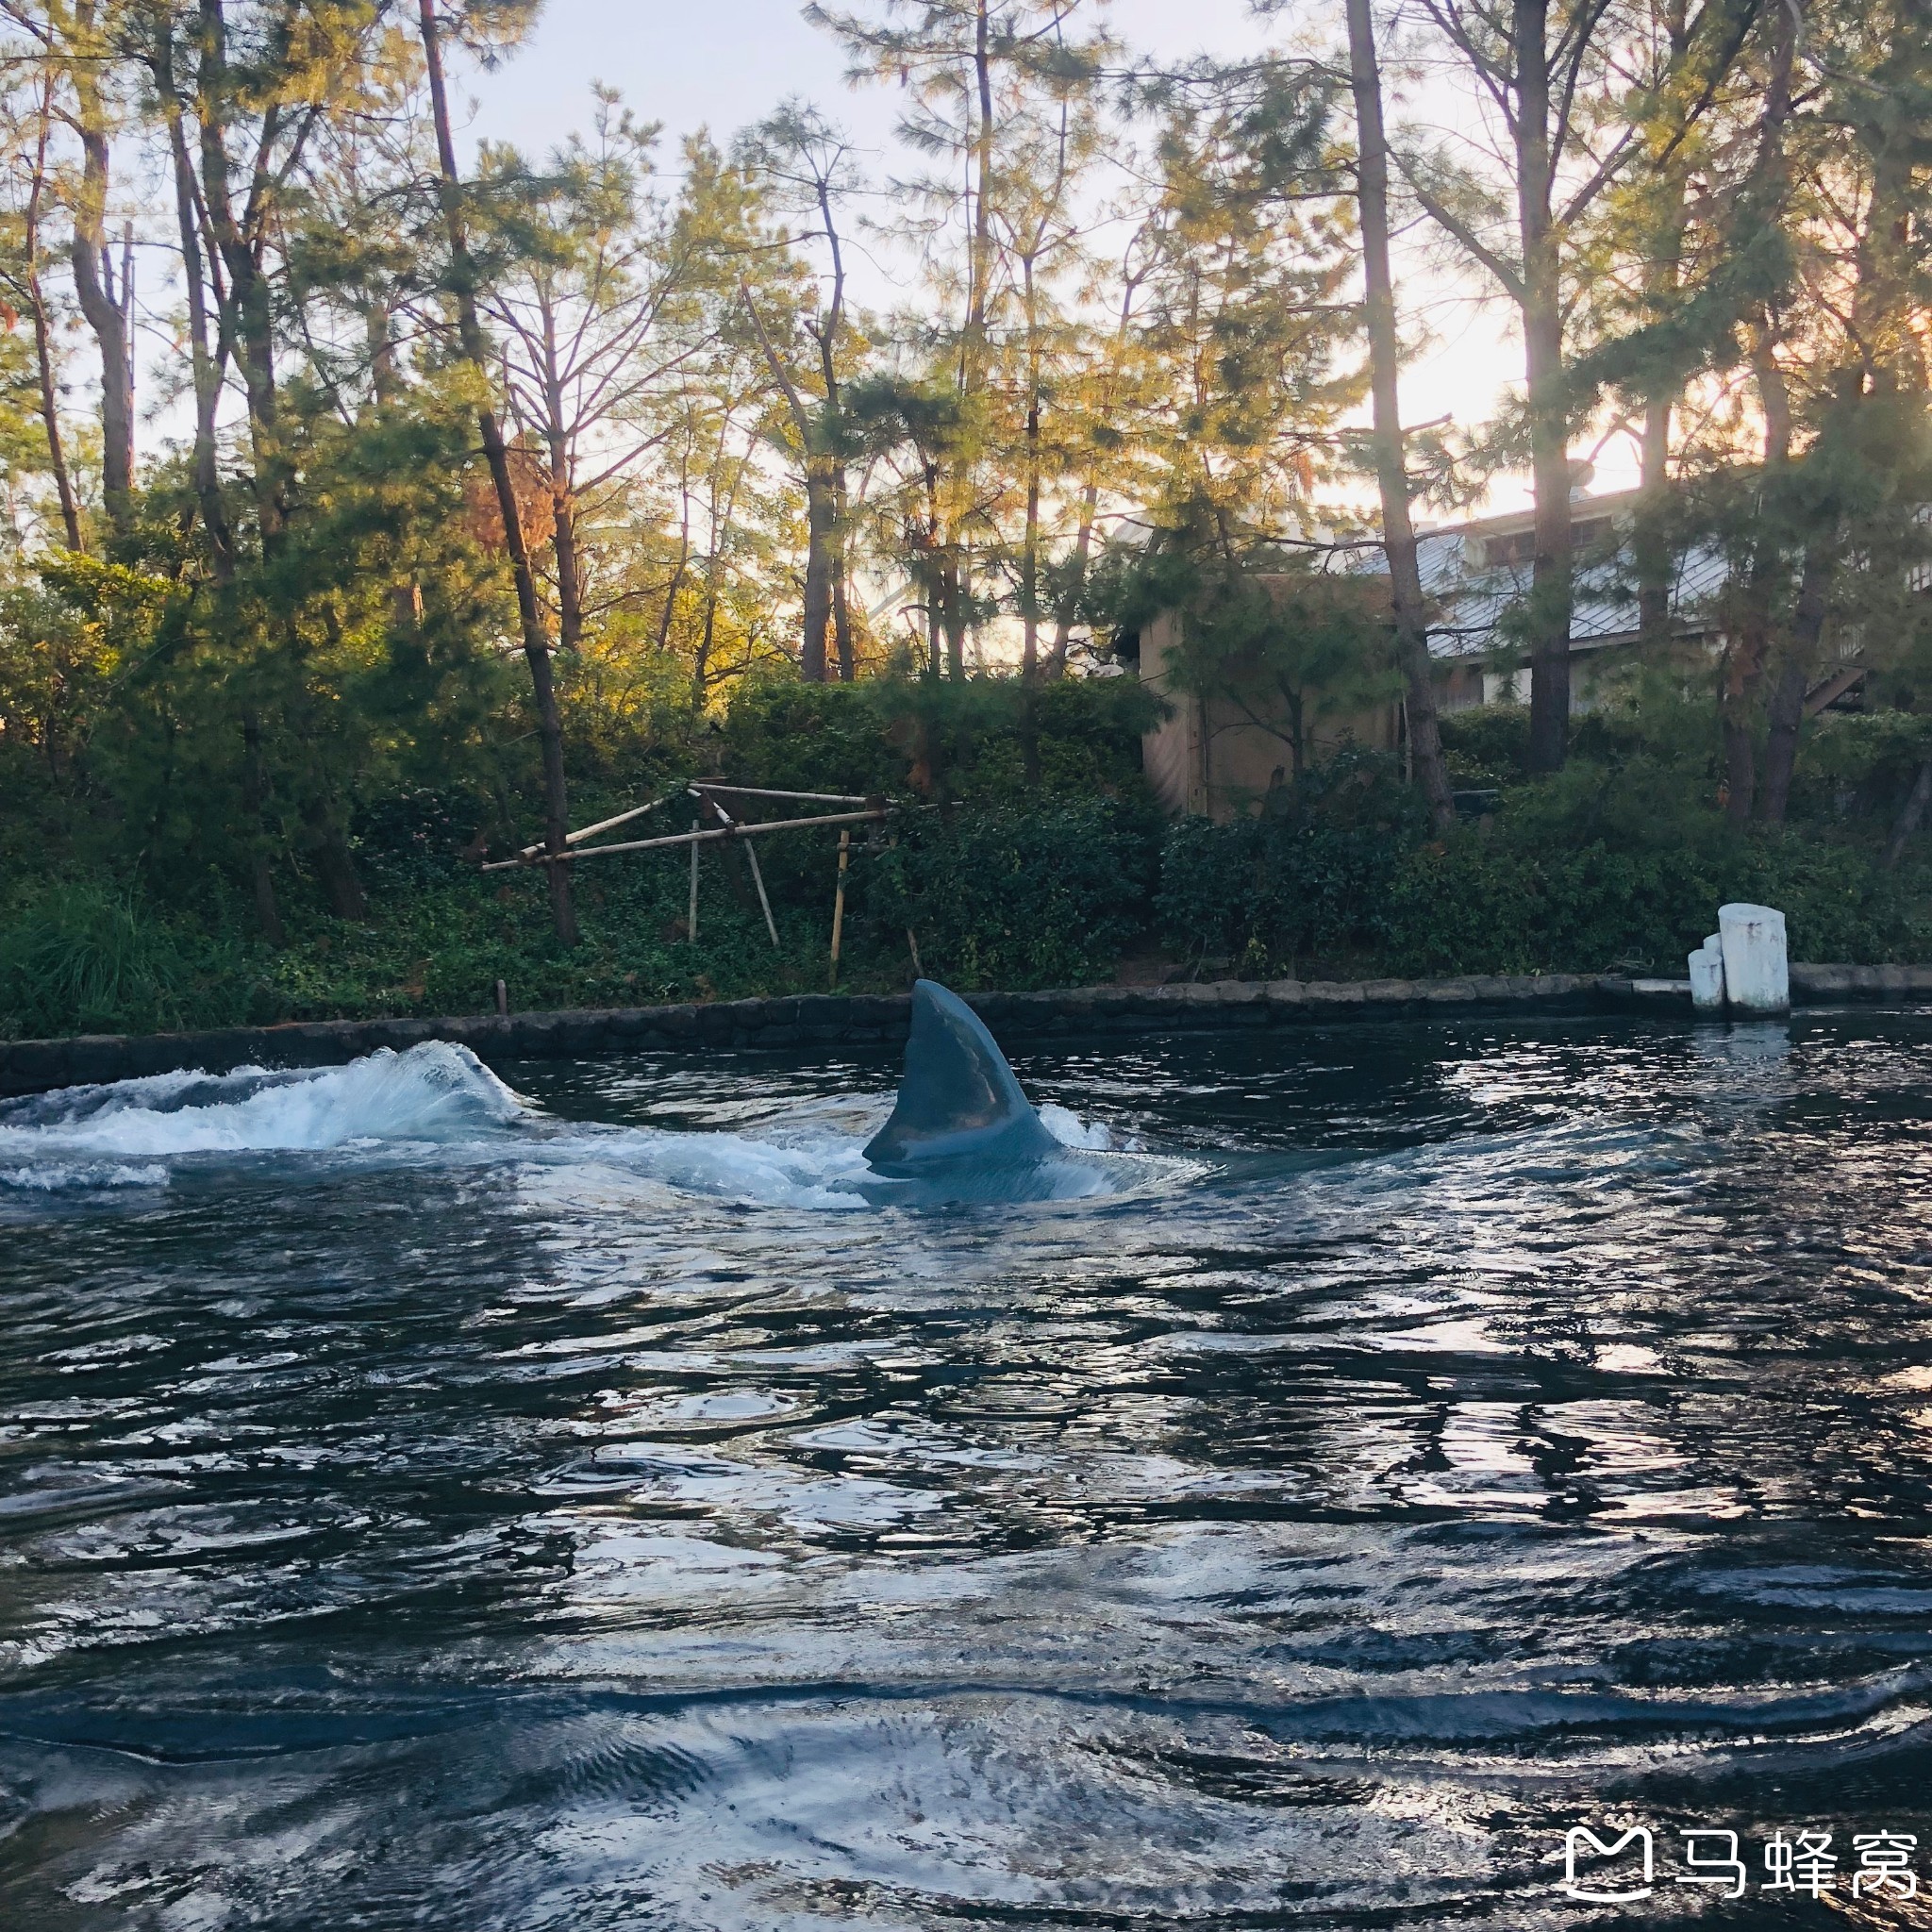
841	601
203	368
1742	673
1786	711
243	294
820	517
820	514
1748	652
979	267
570	582
832	435
1552	584
1391	466
953	595
1029	541
335	865
1029	554
683	563
93	282
44	342
958	568
563	525
536	645
1652	544
1077	580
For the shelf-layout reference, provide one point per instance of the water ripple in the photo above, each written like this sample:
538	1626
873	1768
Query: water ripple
423	1499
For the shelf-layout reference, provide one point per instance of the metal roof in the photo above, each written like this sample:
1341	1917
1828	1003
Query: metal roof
1472	598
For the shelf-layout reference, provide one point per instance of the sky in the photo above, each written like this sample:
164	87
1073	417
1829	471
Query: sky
723	63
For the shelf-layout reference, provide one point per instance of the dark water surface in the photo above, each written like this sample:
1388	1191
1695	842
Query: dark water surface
417	1511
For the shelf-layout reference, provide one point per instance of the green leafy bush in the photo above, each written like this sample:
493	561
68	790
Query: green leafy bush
1860	761
1487	744
1599	867
82	958
1015	899
1475	906
1311	875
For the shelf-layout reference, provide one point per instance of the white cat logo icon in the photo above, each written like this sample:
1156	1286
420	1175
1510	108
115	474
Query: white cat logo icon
1580	1839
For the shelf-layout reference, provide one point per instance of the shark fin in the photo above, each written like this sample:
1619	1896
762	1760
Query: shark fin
959	1099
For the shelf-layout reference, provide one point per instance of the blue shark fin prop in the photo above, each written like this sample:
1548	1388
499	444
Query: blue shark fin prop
959	1099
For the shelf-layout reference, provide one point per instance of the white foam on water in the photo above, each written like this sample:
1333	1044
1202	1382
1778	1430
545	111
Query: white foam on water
1069	1130
819	1173
437	1101
90	1136
87	1174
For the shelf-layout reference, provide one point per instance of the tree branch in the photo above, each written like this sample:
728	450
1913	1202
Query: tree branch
1510	277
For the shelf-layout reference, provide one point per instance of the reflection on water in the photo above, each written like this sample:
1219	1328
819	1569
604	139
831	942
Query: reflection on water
421	1509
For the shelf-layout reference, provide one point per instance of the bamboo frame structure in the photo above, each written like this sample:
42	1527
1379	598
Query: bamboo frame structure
872	816
703	789
622	817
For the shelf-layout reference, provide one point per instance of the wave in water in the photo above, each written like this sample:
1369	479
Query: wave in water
441	1100
432	1093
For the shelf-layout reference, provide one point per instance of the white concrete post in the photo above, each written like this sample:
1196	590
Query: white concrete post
1708	977
1757	976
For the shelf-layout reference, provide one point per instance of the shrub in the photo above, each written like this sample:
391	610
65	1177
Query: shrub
1487	744
1311	875
88	958
1601	866
1479	906
1015	899
1862	761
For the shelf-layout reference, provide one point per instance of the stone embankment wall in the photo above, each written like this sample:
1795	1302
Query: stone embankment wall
33	1066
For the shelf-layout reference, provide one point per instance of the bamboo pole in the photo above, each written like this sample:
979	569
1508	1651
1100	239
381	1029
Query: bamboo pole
838	906
710	785
758	878
691	924
622	817
875	816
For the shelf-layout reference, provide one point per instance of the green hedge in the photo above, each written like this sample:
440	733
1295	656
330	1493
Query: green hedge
1602	866
1311	875
995	898
1001	898
1469	906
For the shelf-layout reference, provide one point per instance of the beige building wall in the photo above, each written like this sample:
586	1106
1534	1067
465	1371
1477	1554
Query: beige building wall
1211	761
